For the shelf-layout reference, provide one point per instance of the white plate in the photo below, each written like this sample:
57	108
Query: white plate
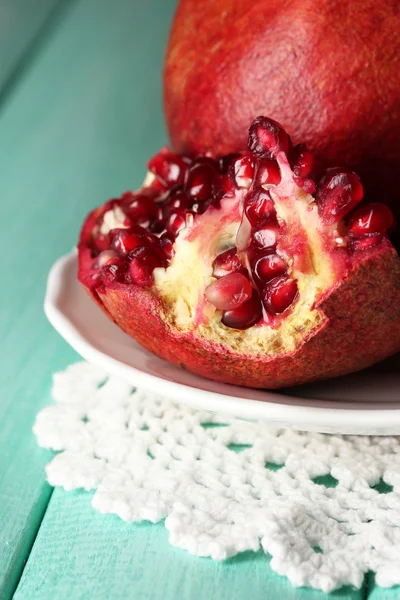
364	403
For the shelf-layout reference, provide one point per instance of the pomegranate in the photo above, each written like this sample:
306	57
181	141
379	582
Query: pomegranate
234	270
327	70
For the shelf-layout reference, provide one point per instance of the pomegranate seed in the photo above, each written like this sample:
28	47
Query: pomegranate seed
226	263
206	160
157	224
223	185
101	242
132	229
140	207
200	207
365	242
109	205
152	242
175	222
113	273
302	161
125	240
152	191
264	239
167	246
169	168
308	185
178	199
127	197
200	178
267	138
107	257
279	294
143	262
225	162
259	208
374	218
246	315
268	267
141	273
155	189
229	292
268	173
243	171
338	192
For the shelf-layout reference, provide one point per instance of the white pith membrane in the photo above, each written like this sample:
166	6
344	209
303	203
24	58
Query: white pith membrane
320	263
112	219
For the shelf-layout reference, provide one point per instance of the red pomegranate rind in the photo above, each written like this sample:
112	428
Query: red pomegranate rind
376	278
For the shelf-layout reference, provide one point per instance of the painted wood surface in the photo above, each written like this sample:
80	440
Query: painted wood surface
83	555
374	592
77	129
30	350
23	25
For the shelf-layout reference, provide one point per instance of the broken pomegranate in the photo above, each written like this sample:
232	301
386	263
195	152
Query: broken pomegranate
254	269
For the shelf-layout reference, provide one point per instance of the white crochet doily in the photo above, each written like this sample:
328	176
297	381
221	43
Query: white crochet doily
326	508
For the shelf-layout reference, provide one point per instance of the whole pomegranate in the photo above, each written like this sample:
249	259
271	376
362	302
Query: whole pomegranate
251	268
328	71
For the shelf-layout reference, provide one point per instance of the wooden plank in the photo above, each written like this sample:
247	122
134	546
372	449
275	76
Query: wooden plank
76	129
374	592
30	349
22	23
81	554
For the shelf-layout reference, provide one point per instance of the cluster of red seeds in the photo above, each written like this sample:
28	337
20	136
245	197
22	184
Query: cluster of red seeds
272	287
184	187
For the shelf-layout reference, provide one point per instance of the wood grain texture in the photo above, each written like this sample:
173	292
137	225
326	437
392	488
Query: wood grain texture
77	128
81	554
22	23
30	351
374	592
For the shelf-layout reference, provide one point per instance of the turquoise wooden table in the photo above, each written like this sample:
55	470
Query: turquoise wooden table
80	110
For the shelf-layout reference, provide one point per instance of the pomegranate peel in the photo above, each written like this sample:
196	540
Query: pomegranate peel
295	294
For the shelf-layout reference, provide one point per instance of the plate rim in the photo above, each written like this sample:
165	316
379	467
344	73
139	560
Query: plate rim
310	418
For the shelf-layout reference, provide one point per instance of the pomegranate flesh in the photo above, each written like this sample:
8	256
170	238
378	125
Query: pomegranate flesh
229	266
